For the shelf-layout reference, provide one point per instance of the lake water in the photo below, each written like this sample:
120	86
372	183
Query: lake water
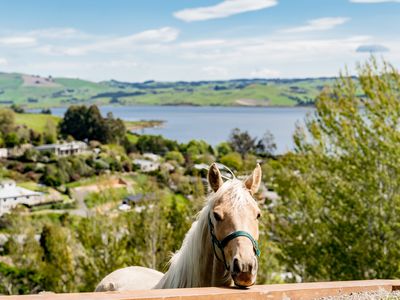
213	124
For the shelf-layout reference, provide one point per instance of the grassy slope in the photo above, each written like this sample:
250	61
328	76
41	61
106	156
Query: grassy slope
36	122
77	91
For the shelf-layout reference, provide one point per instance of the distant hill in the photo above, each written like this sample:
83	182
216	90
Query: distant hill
35	91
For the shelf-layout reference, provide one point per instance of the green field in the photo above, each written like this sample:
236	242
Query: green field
36	122
38	92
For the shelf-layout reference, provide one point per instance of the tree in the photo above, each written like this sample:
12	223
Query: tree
95	125
74	122
17	108
83	123
338	217
223	149
58	260
241	141
50	132
155	144
175	156
232	160
115	130
266	146
46	111
7	120
12	140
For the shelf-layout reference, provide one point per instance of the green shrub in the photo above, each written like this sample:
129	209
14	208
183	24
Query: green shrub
223	149
175	156
232	160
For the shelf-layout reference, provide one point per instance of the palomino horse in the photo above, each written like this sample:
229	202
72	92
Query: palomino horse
220	249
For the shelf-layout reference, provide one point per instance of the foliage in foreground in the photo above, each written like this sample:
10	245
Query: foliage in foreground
339	213
69	254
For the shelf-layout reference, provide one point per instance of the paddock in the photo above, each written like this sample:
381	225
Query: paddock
296	291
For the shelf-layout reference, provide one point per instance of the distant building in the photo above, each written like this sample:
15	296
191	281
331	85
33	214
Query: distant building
152	157
201	166
133	199
146	165
129	201
65	149
11	195
3	153
168	167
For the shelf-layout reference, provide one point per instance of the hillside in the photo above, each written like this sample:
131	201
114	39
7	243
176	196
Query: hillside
34	91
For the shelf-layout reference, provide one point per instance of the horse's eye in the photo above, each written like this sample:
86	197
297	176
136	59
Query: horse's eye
258	215
217	217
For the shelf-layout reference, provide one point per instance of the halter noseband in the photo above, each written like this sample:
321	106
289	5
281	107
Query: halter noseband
222	244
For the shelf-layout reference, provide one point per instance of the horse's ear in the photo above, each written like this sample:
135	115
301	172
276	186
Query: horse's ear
214	177
253	182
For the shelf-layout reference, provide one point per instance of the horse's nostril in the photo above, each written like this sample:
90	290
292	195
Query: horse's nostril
236	266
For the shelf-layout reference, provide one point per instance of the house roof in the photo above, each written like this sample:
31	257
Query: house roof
16	192
134	198
65	146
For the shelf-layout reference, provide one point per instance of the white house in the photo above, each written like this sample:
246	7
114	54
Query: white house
152	157
3	152
65	149
11	195
146	165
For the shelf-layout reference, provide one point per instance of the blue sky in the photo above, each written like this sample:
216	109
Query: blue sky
172	40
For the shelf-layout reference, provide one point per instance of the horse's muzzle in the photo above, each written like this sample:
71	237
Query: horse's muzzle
244	275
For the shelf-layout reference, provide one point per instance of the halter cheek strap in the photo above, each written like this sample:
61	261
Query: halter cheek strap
222	244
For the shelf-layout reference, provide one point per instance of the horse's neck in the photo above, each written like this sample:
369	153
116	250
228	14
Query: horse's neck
195	264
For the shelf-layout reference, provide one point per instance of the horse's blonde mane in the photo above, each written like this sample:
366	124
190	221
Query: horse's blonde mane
196	255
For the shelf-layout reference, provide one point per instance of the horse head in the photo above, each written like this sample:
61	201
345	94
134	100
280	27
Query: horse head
233	224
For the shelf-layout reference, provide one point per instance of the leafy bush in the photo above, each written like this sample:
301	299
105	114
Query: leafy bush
155	144
232	160
223	149
175	156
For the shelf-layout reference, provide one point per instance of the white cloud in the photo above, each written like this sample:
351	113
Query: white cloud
318	25
374	1
18	41
58	33
265	73
148	37
164	35
158	54
223	9
215	72
202	43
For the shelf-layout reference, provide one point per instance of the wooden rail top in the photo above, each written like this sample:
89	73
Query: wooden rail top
296	291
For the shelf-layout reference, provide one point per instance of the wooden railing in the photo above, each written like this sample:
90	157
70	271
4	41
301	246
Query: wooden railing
298	291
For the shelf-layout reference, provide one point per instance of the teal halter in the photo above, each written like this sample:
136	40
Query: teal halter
222	244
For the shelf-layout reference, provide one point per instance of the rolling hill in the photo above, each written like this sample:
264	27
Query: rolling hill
36	92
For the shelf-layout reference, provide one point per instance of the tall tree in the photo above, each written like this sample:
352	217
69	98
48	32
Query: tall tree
50	132
7	120
58	259
241	141
74	122
338	216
